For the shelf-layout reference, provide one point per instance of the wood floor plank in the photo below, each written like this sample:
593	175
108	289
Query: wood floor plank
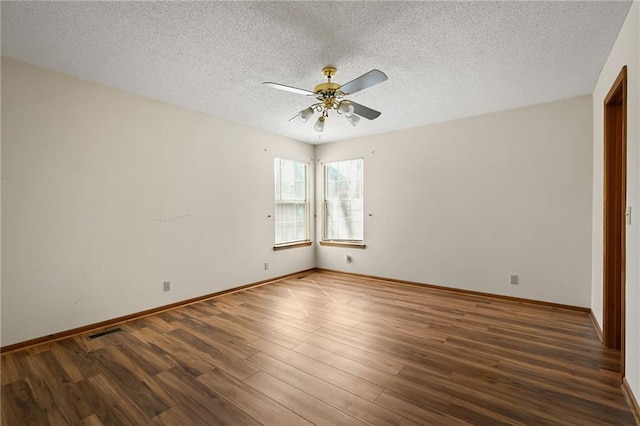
597	387
68	361
252	402
328	348
307	406
205	315
232	365
423	396
143	355
109	404
145	386
216	337
158	323
19	405
415	412
507	350
76	354
256	306
398	352
54	390
334	296
487	401
286	309
177	415
537	394
92	420
357	354
203	401
263	332
128	385
335	396
176	351
236	310
340	378
406	422
10	369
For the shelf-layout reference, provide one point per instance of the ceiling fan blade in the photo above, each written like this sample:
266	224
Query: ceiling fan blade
289	89
369	79
366	112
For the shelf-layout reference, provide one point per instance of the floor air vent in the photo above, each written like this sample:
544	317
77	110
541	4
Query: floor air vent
104	333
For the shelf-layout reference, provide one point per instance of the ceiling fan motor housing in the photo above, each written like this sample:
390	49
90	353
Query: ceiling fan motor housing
328	96
328	92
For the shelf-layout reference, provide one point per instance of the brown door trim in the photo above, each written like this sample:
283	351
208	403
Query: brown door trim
615	199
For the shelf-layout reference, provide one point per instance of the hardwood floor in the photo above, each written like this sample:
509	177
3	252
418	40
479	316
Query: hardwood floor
326	349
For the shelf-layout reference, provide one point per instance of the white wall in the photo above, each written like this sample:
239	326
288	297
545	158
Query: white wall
626	51
466	203
105	195
0	209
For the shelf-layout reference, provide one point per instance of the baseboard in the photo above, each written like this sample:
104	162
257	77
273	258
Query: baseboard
462	291
119	320
596	326
631	400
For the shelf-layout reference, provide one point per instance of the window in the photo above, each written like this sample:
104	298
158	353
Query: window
343	201
292	202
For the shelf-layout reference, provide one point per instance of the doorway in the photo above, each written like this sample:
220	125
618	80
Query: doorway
615	200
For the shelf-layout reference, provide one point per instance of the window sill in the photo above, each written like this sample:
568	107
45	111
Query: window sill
343	244
292	245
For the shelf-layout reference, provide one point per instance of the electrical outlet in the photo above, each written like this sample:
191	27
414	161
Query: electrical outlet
513	279
266	266
166	285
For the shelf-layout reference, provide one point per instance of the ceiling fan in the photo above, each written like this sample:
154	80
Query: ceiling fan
331	96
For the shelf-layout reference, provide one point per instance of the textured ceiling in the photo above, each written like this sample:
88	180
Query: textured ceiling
444	60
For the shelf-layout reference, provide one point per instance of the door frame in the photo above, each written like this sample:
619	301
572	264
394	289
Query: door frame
614	211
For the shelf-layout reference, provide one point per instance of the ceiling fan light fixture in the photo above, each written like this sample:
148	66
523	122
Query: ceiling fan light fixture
345	108
349	113
319	126
305	114
353	119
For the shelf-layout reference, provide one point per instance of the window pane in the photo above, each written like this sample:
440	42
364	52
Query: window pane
299	190
343	190
291	203
279	232
299	172
343	212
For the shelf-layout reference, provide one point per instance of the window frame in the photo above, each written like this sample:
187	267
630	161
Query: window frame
307	203
337	242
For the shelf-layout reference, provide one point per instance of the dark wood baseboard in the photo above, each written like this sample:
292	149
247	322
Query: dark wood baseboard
119	320
462	291
596	326
631	400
